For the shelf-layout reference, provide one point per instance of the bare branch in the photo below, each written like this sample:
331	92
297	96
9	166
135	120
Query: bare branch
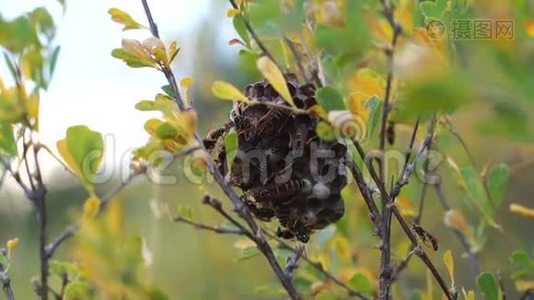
207	227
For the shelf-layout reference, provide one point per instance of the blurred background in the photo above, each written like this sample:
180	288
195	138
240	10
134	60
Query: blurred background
90	87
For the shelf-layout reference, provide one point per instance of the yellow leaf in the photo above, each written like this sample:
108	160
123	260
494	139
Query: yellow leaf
449	263
124	18
356	104
275	77
91	207
405	206
225	90
186	82
524	285
12	244
529	27
151	126
342	247
232	12
454	219
136	49
367	82
403	14
67	156
172	51
244	243
469	295
522	210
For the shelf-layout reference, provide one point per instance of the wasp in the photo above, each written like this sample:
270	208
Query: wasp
427	238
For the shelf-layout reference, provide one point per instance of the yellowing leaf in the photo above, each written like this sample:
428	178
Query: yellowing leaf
12	244
91	207
82	149
367	82
274	76
136	49
522	210
232	12
529	27
244	243
225	90
454	219
469	295
356	104
524	285
405	206
67	157
449	263
342	247
186	82
124	18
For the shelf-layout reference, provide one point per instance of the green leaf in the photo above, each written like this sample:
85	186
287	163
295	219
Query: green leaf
487	284
53	60
131	60
59	268
230	147
497	181
18	34
82	149
325	131
248	253
431	95
41	19
77	290
521	259
374	105
125	19
361	283
166	131
325	295
167	89
7	140
330	98
475	191
185	211
241	29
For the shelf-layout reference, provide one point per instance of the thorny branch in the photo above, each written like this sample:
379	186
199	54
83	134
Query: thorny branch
240	207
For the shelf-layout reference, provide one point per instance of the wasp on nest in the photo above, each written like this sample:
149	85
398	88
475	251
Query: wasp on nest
283	168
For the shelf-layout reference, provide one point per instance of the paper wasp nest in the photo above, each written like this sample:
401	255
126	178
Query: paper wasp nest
283	168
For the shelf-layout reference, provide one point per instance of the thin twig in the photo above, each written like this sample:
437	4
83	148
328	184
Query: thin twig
319	267
406	228
201	226
473	255
254	35
70	230
298	58
293	261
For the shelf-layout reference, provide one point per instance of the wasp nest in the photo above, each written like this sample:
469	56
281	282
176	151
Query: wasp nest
283	168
